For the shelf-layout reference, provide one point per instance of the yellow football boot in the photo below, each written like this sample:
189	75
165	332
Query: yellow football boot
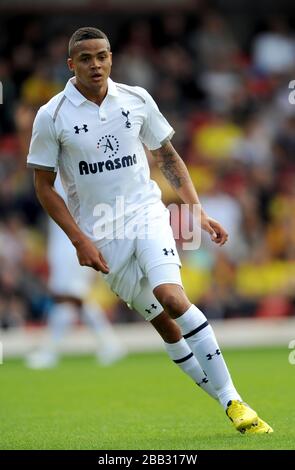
242	416
261	428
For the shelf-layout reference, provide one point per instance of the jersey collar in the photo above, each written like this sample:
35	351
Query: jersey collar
112	89
77	98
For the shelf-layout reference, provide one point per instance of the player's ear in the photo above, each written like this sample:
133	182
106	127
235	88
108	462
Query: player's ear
71	64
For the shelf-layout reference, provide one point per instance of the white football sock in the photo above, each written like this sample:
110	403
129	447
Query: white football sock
60	320
181	354
201	340
98	321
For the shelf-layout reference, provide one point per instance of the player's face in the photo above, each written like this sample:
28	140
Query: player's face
91	63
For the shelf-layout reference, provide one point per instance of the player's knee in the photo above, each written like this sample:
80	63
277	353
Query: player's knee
172	299
172	304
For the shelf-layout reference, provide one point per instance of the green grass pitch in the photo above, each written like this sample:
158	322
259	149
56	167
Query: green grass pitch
144	402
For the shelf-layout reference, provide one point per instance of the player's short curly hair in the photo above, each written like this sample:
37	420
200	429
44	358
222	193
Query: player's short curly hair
86	33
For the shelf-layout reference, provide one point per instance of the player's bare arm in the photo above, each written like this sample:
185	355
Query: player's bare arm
177	175
56	208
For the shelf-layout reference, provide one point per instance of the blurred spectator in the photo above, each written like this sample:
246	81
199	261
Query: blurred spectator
57	52
9	97
274	50
222	206
39	87
214	43
132	65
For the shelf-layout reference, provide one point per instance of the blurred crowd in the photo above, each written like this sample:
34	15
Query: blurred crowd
227	95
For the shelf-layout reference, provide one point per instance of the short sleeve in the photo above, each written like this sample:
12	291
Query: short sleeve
156	129
44	146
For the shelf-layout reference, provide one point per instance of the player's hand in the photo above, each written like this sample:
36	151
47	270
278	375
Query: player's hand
217	233
89	255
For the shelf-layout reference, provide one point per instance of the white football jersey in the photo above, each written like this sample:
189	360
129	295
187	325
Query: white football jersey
100	155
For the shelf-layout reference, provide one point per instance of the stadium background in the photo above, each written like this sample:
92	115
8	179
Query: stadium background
220	72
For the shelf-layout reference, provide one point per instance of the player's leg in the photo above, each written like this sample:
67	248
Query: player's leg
177	349
202	341
61	317
109	348
154	255
181	354
127	280
195	329
159	260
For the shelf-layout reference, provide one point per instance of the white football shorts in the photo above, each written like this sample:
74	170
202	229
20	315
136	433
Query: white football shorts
140	264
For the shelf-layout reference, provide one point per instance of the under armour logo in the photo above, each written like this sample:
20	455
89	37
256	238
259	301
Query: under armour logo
203	381
210	356
126	114
78	129
166	252
149	310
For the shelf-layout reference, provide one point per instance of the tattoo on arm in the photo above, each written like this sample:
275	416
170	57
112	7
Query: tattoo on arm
171	165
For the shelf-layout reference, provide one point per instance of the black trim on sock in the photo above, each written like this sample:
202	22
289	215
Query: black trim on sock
183	359
196	330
